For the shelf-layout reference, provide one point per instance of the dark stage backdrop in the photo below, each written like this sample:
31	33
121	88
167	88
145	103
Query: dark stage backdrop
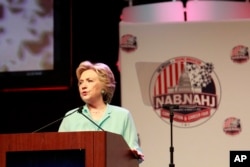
95	31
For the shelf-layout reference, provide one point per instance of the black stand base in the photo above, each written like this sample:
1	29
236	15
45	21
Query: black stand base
171	149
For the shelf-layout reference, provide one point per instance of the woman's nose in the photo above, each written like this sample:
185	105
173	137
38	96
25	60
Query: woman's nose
82	86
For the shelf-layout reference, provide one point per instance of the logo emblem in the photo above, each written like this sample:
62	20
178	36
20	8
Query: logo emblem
189	83
240	54
232	126
128	43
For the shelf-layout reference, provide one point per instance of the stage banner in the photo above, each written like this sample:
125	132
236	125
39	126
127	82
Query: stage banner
202	68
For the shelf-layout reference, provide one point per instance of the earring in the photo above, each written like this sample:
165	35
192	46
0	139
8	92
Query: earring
102	92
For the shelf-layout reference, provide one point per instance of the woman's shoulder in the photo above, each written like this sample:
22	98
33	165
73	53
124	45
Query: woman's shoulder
115	108
72	111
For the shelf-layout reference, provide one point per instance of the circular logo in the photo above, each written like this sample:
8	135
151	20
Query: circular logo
232	126
188	84
240	54
128	43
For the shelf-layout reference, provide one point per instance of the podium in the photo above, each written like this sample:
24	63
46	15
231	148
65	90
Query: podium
101	149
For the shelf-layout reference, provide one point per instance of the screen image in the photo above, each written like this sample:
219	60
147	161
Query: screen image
26	35
34	43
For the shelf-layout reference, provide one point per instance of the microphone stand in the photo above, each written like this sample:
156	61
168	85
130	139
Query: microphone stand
57	120
171	149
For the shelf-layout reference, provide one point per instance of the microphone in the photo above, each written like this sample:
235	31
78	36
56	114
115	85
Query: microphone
80	112
170	106
57	120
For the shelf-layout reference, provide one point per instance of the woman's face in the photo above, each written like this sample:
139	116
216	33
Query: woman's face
90	87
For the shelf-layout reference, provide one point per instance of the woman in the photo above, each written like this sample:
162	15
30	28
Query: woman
96	84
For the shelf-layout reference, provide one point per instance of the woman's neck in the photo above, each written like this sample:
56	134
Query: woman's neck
97	111
97	106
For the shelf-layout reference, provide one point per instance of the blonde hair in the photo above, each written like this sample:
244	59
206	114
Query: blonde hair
105	74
